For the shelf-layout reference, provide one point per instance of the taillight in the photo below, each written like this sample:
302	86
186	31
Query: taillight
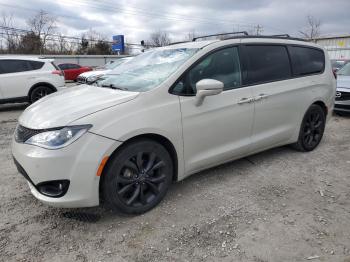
334	73
57	72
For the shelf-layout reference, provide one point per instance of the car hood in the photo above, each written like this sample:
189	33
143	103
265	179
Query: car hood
94	73
61	108
343	81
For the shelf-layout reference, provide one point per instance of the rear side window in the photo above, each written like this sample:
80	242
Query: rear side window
266	63
306	61
35	65
16	66
13	66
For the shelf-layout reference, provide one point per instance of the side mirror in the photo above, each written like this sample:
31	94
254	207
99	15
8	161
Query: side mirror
207	87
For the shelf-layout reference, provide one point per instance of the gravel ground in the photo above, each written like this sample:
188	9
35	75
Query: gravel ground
279	205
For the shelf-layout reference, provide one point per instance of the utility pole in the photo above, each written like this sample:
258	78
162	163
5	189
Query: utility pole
259	29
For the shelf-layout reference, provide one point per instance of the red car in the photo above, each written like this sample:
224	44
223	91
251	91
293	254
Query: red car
71	71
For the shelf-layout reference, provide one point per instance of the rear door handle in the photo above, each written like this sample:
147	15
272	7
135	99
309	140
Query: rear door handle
260	97
245	100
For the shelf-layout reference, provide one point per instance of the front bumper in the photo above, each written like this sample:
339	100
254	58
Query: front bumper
82	79
342	101
78	163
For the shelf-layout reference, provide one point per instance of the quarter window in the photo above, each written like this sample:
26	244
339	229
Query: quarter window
35	65
223	65
306	61
267	63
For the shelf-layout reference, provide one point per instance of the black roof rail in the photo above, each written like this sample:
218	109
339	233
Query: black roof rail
281	35
267	37
245	33
180	42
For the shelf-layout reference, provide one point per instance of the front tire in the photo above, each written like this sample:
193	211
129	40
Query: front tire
137	177
39	92
311	130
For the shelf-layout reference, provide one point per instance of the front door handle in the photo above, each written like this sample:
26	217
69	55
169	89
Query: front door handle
245	100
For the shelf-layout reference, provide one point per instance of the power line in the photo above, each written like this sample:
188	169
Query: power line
52	13
136	13
55	37
110	7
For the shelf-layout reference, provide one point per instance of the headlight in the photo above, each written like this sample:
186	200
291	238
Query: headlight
55	139
93	78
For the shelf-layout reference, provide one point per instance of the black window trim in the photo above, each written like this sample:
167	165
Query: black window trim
293	76
199	60
243	62
27	63
246	63
310	47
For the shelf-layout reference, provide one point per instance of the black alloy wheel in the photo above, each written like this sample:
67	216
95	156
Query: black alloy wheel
138	177
312	129
39	92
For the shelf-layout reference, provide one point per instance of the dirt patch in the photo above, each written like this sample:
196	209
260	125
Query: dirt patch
278	205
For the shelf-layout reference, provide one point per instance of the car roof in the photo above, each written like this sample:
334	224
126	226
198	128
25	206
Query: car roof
192	44
246	39
30	58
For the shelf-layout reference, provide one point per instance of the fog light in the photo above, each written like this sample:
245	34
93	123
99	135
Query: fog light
55	188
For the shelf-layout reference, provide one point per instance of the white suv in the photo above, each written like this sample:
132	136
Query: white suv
171	112
24	79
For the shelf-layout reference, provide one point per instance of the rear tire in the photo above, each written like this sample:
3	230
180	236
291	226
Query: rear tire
137	177
311	130
39	92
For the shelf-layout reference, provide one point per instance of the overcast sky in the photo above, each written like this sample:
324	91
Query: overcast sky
136	19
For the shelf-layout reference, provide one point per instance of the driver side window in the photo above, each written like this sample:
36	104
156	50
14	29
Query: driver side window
222	65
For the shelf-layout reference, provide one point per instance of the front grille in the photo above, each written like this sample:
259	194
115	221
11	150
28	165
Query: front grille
81	79
22	133
341	96
340	106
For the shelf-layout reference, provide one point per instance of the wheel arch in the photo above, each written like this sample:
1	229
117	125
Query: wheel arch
322	105
41	84
169	146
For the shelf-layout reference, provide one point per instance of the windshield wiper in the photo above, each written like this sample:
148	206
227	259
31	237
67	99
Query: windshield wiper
115	87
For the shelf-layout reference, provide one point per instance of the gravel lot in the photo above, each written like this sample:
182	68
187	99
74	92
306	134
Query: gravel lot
278	205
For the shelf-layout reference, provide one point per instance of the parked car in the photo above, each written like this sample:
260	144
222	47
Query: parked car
342	97
25	79
338	63
71	71
92	76
172	112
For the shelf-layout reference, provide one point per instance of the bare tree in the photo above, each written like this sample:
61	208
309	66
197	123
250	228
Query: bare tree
313	28
62	44
159	38
42	25
8	33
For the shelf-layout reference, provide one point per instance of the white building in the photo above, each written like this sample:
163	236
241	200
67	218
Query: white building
338	47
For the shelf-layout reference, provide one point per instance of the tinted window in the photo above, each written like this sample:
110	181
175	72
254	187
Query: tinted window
223	65
267	63
306	60
73	66
63	66
35	65
14	66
